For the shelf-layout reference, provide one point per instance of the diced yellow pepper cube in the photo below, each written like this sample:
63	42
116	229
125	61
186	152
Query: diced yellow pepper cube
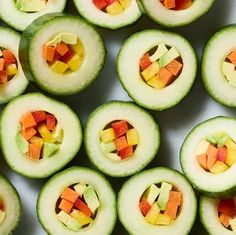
155	83
230	157
132	137
11	70
230	144
75	62
151	71
78	48
80	217
114	8
163	220
125	3
107	135
152	214
59	67
219	167
45	133
37	140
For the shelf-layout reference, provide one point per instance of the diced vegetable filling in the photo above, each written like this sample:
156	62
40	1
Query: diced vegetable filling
77	206
119	140
177	5
2	211
64	52
39	135
160	204
216	153
227	213
8	65
31	6
229	68
161	66
112	7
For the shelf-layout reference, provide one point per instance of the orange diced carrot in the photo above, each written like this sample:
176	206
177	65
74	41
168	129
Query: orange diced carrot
120	143
65	206
8	57
232	57
144	206
27	120
70	195
224	219
174	67
35	151
28	133
169	4
182	4
202	160
48	53
2	63
212	151
3	77
173	203
145	62
175	197
62	48
83	207
165	76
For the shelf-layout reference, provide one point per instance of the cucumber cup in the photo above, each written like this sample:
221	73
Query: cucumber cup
39	135
62	54
157	201
77	201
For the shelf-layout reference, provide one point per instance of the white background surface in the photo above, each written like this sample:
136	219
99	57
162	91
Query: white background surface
175	123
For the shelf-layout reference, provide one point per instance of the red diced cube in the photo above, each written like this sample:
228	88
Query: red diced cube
69	54
3	77
39	116
126	152
121	143
144	206
227	207
83	207
109	2
145	62
8	57
56	56
1	206
100	4
51	122
120	128
221	154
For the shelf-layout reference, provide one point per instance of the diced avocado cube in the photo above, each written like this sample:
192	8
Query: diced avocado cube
91	198
132	137
164	195
114	8
125	3
108	147
49	149
163	220
75	62
152	214
57	134
151	71
69	38
219	167
168	57
11	70
161	50
152	193
79	188
107	135
59	67
31	6
63	217
232	224
2	216
22	143
72	224
113	156
202	147
80	217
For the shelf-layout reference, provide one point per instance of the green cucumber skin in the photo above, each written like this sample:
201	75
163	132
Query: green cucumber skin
4	151
139	102
25	45
87	147
61	173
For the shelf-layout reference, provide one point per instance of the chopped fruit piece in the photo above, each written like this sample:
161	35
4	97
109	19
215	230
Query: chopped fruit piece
75	62
152	214
120	128
224	219
107	135
49	149
67	57
11	70
91	199
62	48
69	195
22	143
173	203
108	147
48	52
100	4
80	217
182	4
145	62
155	83
57	134
54	41
231	157
34	151
28	133
170	4
39	116
232	57
227	207
2	63
59	67
165	76
212	151
51	122
144	206
65	206
211	162
79	188
1	53
37	140
31	6
114	8
161	50
151	71
164	195
63	217
8	57
202	160
132	137
78	48
219	167
152	193
168	57
221	154
163	220
230	144
83	207
27	120
120	143
3	77
232	224
68	38
45	133
2	216
113	156
218	138
73	224
125	3
174	67
126	152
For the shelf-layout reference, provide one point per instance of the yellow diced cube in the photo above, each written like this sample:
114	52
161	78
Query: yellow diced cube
230	157
230	144
107	135
59	67
45	133
11	70
75	62
163	220
151	71
155	83
132	137
125	3
80	217
114	8
152	214
78	48
36	140
219	167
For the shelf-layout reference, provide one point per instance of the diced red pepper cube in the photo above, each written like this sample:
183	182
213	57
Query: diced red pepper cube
222	154
227	207
126	152
3	77
144	206
39	116
69	54
1	206
83	207
8	57
51	122
56	56
100	4
109	2
119	128
145	62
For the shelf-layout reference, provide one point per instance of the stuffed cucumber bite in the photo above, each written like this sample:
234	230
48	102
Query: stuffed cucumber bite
20	13
208	157
175	13
10	207
12	78
39	135
111	14
77	201
157	68
218	215
218	66
121	138
62	54
156	202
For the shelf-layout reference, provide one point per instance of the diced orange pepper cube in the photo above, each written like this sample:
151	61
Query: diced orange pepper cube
174	67
28	133
2	64
165	76
66	206
232	57
48	53
27	120
62	48
121	143
70	195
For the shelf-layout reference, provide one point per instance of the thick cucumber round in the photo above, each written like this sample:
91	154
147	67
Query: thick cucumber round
142	122
90	12
212	185
131	192
128	65
19	19
37	69
12	206
106	214
10	40
156	11
9	128
215	52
